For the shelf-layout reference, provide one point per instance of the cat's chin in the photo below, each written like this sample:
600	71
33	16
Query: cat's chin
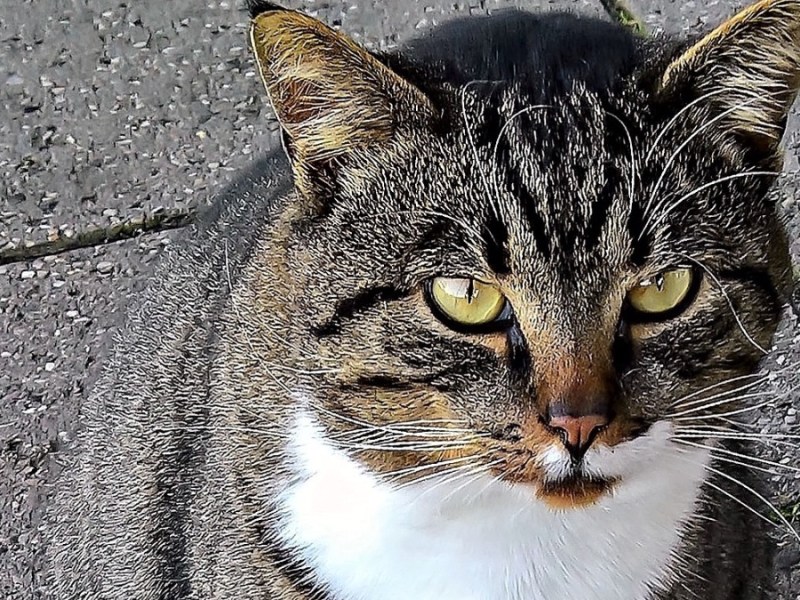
573	492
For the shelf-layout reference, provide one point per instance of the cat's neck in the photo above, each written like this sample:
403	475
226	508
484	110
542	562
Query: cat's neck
472	537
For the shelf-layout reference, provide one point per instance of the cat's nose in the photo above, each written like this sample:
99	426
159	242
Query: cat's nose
577	431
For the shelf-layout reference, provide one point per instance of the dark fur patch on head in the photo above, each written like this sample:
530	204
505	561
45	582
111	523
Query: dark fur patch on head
545	55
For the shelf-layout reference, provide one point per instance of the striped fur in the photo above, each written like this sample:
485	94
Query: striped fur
561	159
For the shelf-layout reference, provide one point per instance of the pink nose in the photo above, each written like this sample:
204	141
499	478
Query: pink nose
578	433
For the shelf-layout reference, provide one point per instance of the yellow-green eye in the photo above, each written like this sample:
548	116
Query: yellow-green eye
466	301
663	293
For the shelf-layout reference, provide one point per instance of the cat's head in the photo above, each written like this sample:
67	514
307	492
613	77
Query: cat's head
532	266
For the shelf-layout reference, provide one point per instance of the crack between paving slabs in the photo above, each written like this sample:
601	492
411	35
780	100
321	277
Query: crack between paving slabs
98	236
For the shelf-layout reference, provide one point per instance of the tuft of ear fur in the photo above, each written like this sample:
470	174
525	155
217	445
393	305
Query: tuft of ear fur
748	69
256	7
330	96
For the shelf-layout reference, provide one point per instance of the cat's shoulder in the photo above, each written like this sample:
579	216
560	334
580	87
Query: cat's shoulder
228	230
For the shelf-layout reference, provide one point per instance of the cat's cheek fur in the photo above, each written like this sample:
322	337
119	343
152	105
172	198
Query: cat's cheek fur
482	539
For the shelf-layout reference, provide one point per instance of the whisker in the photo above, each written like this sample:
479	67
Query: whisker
510	120
663	214
740	410
502	131
354	421
474	471
474	478
691	412
429	431
739	435
681	403
471	140
769	504
429	476
493	156
424	434
732	423
490	483
410	447
649	209
721	398
743	457
767	441
447	475
431	421
742	503
633	175
727	299
398	473
672	121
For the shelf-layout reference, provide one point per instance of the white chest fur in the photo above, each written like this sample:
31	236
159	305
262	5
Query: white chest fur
479	539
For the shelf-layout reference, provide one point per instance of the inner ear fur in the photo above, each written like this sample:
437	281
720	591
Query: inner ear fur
330	96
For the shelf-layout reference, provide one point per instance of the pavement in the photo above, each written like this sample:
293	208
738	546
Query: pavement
112	109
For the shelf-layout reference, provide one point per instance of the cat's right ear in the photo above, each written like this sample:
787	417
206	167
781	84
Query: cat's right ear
744	75
331	97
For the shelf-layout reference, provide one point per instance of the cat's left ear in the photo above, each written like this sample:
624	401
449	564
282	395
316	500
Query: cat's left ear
331	97
746	72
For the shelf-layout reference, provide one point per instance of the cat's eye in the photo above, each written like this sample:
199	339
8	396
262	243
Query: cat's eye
663	295
465	302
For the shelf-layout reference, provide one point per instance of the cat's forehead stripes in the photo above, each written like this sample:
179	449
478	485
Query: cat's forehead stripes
559	177
495	235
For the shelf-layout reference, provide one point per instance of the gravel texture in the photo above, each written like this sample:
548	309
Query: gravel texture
109	109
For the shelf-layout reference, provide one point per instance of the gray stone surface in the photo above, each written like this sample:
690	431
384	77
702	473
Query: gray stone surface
111	108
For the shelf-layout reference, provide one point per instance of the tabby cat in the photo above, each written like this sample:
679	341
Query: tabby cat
480	333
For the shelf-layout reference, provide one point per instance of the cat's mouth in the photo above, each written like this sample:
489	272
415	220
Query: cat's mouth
574	491
559	478
556	480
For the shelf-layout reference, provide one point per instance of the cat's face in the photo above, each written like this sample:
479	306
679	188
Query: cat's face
521	285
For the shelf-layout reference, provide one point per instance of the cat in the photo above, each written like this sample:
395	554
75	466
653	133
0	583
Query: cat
479	331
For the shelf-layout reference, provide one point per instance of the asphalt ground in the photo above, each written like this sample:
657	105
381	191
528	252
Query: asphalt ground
111	110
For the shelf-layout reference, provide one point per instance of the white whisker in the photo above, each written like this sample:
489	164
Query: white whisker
682	402
682	111
741	456
788	393
738	434
409	447
691	413
392	475
731	413
742	503
476	475
758	495
649	209
727	299
634	173
727	396
663	214
739	501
